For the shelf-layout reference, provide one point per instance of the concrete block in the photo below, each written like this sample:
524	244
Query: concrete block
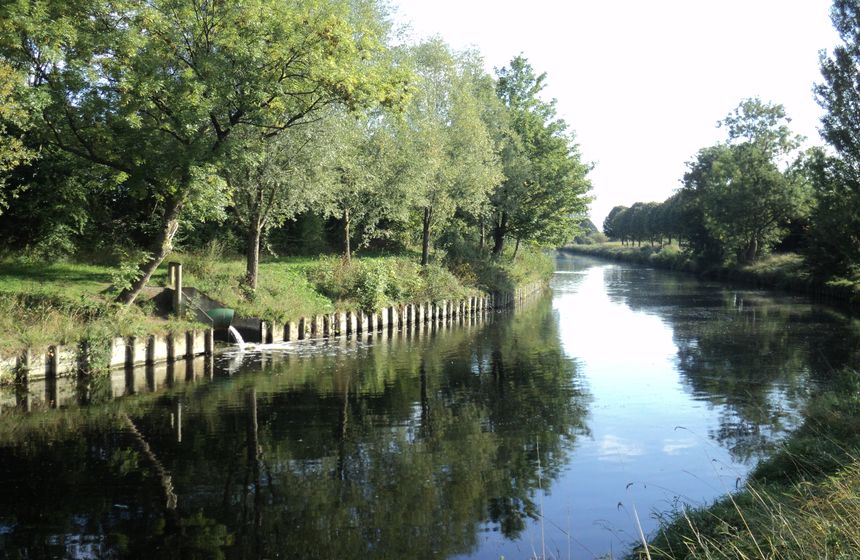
393	318
8	367
34	365
156	349
63	359
382	320
177	347
135	350
351	323
117	352
209	341
198	342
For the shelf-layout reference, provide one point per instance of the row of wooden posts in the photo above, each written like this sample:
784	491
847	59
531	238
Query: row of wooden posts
395	317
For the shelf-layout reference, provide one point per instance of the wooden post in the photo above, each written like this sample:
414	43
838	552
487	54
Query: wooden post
175	273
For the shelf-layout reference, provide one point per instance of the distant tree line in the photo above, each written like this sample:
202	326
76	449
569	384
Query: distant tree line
128	128
756	192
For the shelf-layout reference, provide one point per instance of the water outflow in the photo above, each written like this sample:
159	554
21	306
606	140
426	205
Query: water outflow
237	337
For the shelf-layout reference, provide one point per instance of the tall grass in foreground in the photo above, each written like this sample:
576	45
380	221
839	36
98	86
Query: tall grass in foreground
802	521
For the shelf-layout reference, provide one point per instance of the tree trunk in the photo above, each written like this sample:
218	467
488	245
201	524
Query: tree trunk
516	248
499	231
162	246
252	259
752	250
425	238
347	253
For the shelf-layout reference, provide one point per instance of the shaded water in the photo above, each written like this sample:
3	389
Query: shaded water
542	431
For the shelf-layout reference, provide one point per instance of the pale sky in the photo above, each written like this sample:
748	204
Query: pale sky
643	83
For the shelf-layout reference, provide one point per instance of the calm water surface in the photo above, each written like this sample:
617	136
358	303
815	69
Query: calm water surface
624	392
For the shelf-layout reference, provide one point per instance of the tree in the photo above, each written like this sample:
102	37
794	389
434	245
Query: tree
153	90
13	117
362	185
609	223
833	247
835	235
743	195
451	156
271	180
543	195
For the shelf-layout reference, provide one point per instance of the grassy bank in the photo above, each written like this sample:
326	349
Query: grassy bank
62	303
802	503
782	271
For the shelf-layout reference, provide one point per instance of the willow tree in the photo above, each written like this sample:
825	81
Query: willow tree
153	90
452	158
271	180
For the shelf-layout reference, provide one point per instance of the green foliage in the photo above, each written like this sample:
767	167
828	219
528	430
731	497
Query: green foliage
372	283
371	286
128	271
739	197
13	119
542	197
447	161
171	82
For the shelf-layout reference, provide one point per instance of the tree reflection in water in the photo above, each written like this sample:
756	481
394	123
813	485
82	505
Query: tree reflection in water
755	356
403	447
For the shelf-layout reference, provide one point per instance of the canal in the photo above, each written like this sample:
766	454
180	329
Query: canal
557	430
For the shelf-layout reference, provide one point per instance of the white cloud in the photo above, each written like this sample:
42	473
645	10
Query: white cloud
615	449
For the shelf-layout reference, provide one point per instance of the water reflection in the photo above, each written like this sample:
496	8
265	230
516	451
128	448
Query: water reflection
384	447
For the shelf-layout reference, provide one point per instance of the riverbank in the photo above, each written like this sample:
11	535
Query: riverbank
45	304
785	271
803	502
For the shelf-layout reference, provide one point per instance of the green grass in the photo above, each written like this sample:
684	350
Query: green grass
43	304
67	279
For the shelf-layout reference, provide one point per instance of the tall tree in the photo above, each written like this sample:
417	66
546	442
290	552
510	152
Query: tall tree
362	171
609	223
271	180
743	194
835	247
153	90
543	195
452	154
